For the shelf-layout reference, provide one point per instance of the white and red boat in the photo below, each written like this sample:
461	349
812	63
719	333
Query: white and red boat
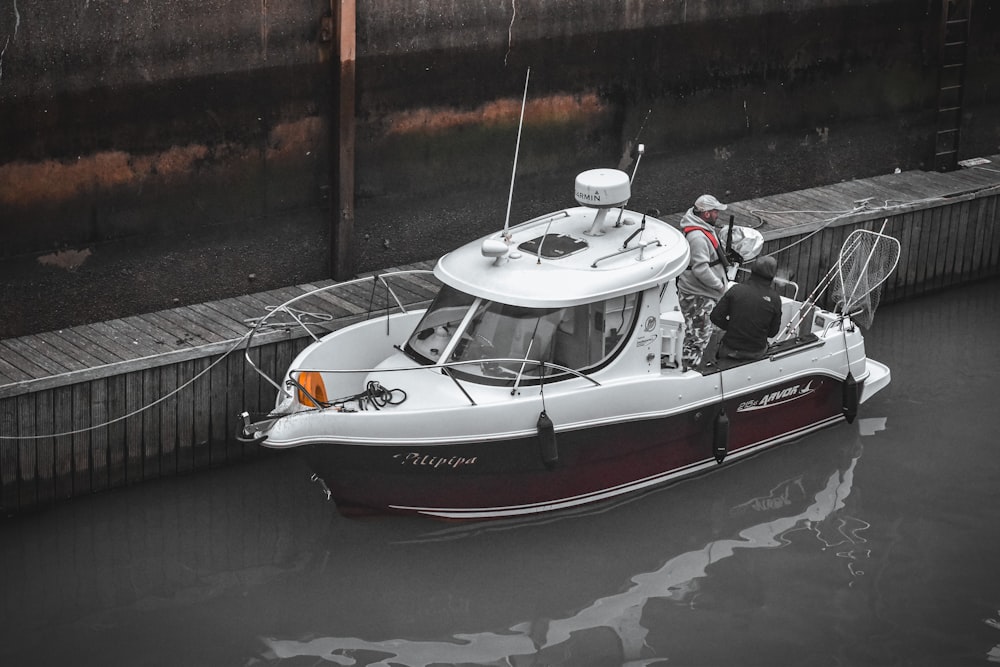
546	373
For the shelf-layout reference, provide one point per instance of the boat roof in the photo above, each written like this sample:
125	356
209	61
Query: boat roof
567	258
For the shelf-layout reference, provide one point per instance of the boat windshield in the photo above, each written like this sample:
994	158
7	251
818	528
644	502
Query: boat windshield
467	329
439	324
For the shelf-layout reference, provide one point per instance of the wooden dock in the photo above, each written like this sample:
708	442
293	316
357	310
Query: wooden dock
95	407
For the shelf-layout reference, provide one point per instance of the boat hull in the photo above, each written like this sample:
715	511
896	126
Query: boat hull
526	475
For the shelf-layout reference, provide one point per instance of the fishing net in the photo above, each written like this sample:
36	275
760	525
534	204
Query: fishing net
866	260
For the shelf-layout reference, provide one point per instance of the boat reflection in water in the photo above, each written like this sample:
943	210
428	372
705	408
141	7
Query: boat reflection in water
609	629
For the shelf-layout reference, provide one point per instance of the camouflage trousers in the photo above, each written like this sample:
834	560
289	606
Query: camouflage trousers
698	326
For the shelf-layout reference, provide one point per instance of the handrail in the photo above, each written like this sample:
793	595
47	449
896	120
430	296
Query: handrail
640	247
446	366
284	308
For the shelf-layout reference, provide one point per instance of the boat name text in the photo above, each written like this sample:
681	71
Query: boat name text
777	397
431	461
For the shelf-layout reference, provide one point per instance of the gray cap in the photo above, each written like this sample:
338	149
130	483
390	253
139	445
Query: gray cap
709	203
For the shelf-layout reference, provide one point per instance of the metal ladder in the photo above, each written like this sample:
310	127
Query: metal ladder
955	16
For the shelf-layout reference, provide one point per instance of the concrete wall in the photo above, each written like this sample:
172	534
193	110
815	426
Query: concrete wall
135	119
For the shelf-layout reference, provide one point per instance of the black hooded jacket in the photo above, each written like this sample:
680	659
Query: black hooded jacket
750	312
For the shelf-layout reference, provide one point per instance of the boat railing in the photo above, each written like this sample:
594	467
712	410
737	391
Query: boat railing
449	366
291	312
641	247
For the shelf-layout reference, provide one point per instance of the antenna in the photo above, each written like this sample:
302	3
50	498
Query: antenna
520	123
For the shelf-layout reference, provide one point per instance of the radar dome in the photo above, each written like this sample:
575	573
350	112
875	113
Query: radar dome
603	188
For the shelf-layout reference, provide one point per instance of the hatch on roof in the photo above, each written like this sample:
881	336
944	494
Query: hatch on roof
553	246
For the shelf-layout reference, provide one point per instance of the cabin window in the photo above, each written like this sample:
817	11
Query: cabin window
590	334
499	341
505	334
439	324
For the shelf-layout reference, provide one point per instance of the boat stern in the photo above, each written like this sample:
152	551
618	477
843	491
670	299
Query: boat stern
877	379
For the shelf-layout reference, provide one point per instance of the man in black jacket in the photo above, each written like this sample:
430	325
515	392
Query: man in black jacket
750	313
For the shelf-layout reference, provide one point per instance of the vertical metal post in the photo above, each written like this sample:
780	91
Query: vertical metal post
342	144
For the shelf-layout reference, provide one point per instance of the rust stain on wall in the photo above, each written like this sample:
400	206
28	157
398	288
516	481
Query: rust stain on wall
296	139
25	184
552	109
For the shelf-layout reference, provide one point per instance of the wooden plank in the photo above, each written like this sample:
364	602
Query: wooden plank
948	278
410	294
154	338
904	184
359	294
811	206
940	249
109	353
27	450
337	306
63	424
219	407
45	447
991	258
133	427
957	241
201	395
12	373
923	229
185	416
99	437
151	423
143	342
205	326
968	248
258	392
112	339
43	349
235	402
118	442
427	281
241	313
235	310
20	355
891	223
180	332
70	349
8	456
167	435
932	221
824	253
772	212
80	442
227	326
175	336
979	231
967	180
904	227
260	302
909	246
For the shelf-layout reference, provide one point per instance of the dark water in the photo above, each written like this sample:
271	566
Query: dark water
876	543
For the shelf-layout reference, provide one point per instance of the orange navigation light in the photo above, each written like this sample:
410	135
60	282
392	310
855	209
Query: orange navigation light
312	383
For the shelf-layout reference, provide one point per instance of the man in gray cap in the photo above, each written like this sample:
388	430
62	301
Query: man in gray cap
704	281
750	313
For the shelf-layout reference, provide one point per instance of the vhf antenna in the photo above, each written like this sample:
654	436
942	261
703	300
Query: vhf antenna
517	149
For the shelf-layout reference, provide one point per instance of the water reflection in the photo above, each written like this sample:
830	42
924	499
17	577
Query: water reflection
610	629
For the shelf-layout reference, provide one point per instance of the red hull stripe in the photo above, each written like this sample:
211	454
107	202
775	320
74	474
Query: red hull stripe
611	492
